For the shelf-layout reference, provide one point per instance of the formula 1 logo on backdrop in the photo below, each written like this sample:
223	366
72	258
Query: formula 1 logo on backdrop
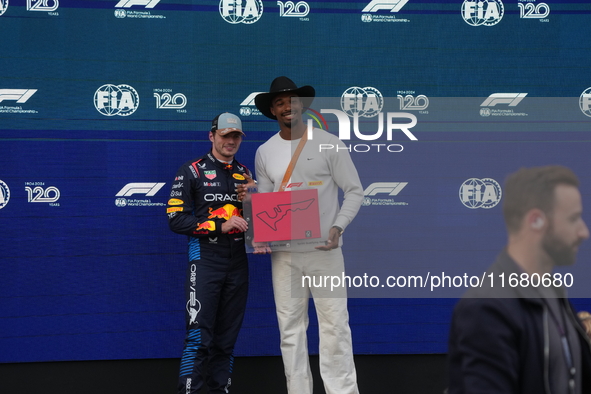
42	5
120	100
480	193
389	188
508	99
367	101
483	12
511	99
131	3
18	95
390	5
4	194
241	11
383	5
585	102
248	107
21	96
3	6
147	189
122	9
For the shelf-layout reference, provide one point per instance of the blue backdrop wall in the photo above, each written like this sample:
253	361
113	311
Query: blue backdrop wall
101	102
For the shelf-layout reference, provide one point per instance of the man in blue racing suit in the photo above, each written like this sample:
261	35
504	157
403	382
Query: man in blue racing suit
204	205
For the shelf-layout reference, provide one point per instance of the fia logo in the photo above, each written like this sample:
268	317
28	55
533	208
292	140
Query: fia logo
241	11
585	102
482	13
42	5
4	194
289	8
120	100
3	6
367	101
480	193
533	11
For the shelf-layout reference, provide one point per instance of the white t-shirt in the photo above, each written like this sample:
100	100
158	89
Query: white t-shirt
320	167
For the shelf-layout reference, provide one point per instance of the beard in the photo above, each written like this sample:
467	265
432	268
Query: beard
559	251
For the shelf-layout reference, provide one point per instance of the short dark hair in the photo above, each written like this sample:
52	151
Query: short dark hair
531	188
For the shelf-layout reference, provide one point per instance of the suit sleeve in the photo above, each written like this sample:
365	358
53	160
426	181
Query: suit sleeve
484	343
346	177
183	216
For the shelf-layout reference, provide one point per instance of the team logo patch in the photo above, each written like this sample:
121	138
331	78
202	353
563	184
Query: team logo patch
210	174
209	225
175	201
239	177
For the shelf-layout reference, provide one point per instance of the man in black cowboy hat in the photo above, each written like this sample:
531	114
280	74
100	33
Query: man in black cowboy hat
326	172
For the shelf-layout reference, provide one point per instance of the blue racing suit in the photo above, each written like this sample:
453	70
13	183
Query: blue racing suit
203	196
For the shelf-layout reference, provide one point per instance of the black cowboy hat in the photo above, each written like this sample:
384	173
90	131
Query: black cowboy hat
282	85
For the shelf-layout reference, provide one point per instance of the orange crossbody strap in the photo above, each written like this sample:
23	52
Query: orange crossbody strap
293	162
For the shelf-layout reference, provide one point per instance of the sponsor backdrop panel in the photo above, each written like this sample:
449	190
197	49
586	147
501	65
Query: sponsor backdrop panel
102	101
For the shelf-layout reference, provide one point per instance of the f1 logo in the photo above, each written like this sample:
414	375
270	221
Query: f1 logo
149	189
20	95
392	188
250	99
512	99
131	3
392	5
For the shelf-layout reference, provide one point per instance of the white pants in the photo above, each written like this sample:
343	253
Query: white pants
291	300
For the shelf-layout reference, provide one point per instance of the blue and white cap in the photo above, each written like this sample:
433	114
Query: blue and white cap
226	123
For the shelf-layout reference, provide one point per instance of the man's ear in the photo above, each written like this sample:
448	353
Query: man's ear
211	136
536	219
